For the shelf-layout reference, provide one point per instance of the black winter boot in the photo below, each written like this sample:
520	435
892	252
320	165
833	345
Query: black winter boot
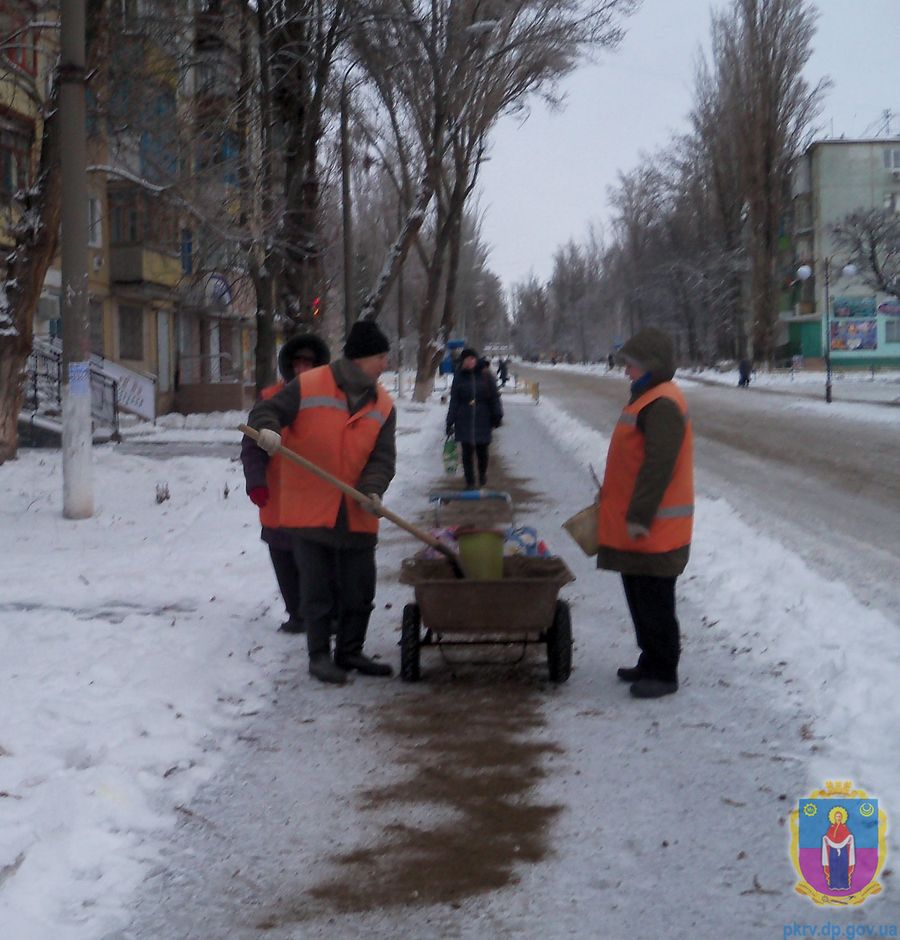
629	674
325	670
653	688
363	664
292	625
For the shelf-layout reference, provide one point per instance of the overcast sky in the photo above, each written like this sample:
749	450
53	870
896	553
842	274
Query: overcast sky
546	179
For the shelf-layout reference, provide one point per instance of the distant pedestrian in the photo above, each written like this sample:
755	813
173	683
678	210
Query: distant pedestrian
745	367
503	371
341	419
611	361
263	477
475	411
646	508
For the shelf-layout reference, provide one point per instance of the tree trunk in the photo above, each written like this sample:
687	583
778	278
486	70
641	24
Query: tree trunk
36	243
266	374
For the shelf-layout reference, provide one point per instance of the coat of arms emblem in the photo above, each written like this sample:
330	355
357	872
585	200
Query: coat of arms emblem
838	844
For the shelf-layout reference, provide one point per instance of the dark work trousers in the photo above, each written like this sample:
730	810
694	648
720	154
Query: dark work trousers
330	575
651	601
481	451
288	578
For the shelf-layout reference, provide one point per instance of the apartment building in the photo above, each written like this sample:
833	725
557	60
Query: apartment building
861	325
169	310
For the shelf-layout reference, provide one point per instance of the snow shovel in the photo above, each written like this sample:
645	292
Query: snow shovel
364	500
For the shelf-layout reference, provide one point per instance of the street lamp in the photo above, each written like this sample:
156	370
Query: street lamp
805	272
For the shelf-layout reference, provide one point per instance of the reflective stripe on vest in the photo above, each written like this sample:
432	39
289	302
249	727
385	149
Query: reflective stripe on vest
327	434
672	525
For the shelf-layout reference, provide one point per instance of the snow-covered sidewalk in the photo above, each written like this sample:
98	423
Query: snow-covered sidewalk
165	761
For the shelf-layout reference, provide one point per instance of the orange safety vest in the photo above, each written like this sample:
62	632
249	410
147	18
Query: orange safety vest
327	434
269	514
672	526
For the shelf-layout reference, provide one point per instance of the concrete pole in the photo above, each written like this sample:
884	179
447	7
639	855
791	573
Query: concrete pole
78	496
347	207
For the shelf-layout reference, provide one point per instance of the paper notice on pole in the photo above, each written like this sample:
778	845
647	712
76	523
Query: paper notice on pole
79	378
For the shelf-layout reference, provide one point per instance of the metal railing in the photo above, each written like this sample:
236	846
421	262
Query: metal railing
43	390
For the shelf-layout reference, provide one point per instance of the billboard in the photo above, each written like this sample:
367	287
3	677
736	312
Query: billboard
849	335
853	307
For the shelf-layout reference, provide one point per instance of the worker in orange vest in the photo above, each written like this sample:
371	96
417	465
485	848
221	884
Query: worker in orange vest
342	420
646	508
262	476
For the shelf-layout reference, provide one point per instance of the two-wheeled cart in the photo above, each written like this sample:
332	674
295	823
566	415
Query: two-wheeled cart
520	608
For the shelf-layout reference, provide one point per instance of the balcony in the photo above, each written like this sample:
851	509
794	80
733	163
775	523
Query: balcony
138	264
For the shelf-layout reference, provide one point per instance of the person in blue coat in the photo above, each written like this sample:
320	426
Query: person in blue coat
475	410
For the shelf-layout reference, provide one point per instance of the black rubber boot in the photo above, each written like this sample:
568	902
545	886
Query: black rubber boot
292	625
363	664
325	670
629	674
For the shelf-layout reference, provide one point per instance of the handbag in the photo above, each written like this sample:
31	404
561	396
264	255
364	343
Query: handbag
583	529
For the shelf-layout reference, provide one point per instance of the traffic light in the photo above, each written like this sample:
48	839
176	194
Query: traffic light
316	308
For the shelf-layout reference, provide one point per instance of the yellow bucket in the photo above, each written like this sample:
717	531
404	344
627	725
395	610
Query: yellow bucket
481	551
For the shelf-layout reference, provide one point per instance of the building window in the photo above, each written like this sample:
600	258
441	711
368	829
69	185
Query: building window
187	251
95	223
15	146
131	11
139	219
892	158
125	221
95	310
131	332
226	349
892	331
21	44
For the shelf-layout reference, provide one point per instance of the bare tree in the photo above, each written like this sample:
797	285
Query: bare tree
871	239
36	235
761	48
530	318
455	68
303	39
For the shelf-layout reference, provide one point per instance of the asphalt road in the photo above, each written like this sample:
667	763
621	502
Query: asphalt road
824	484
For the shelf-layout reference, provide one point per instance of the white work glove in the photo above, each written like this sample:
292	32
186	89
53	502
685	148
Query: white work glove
374	504
636	531
269	441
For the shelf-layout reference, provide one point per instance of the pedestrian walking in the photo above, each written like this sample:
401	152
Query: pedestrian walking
503	371
646	508
475	411
341	419
262	477
745	367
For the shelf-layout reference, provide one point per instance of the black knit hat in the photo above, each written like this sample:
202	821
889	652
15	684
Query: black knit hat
365	339
468	351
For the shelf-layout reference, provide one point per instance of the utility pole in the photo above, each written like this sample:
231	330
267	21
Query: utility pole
78	495
346	207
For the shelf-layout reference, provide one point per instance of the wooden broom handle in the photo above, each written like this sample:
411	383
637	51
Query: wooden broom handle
364	500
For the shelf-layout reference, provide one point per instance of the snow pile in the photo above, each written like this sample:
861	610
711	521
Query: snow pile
136	645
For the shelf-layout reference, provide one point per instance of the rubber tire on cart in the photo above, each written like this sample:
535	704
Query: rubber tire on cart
559	644
409	643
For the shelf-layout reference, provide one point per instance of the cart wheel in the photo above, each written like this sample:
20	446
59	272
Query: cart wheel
559	644
409	644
